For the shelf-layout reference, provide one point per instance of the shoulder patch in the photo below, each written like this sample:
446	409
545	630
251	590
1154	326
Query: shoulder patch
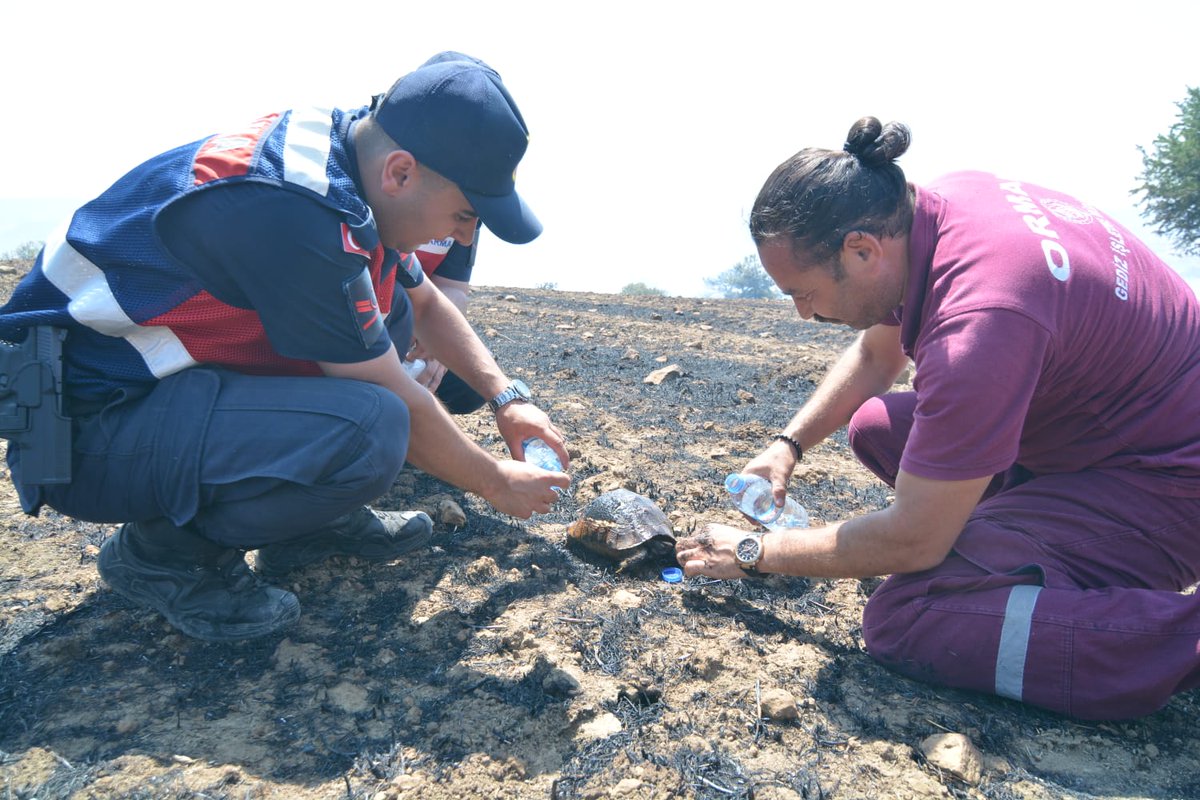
364	308
350	244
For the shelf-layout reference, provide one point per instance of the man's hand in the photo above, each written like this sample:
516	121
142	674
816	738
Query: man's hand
526	490
711	552
520	421
776	464
431	376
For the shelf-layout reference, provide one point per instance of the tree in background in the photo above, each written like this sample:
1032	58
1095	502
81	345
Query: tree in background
641	288
23	252
745	280
1171	178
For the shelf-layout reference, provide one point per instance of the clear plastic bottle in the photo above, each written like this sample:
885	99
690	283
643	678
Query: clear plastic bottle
414	368
539	454
752	496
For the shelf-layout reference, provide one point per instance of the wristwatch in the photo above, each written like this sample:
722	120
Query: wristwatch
748	553
517	390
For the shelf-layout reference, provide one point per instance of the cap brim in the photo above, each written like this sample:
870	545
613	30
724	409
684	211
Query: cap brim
507	217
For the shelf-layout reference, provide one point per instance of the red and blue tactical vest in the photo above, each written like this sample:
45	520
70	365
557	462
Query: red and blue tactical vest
135	316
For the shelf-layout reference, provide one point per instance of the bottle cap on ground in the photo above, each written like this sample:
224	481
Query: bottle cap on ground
672	575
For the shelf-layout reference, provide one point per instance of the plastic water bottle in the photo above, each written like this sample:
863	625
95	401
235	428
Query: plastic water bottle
539	454
414	368
752	496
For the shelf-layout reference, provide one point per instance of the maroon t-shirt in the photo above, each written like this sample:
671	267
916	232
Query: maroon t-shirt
1045	334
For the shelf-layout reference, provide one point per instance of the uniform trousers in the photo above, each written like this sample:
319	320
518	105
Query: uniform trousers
247	460
244	460
1064	591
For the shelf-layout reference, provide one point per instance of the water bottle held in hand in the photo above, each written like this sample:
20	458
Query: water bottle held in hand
752	496
539	454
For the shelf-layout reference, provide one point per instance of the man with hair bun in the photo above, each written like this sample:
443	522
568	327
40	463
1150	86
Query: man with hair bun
1046	465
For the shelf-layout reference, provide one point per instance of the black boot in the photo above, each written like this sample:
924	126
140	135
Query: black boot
367	534
202	588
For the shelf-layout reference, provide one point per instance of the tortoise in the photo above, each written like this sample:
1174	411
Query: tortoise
619	522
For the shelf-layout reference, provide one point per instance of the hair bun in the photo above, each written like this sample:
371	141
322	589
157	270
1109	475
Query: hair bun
875	144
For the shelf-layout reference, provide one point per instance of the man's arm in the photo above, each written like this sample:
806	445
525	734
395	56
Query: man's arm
448	337
915	533
867	369
439	447
456	292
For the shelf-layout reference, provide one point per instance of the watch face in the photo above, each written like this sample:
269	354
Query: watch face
521	389
749	550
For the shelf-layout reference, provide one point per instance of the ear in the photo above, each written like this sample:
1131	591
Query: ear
398	172
859	247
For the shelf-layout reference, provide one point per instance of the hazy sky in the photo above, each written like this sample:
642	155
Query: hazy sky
653	123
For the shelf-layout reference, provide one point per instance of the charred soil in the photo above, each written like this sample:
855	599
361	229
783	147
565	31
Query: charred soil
503	662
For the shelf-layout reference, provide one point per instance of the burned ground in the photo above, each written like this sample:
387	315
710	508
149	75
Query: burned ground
504	663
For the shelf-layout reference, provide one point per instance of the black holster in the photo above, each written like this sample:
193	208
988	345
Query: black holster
31	405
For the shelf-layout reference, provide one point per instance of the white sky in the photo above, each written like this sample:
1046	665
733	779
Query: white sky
653	123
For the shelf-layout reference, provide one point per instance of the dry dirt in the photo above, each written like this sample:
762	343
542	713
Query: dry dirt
503	663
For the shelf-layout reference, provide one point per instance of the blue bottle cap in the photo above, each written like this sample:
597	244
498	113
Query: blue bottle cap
672	575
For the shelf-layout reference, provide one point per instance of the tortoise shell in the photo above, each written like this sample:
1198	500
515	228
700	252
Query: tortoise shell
620	521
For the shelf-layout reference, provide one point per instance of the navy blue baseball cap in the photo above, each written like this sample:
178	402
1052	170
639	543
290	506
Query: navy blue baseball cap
455	116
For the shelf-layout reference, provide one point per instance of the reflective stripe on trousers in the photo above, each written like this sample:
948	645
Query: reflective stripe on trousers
1014	641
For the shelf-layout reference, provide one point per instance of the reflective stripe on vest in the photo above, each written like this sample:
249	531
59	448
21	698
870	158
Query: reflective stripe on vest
92	304
306	149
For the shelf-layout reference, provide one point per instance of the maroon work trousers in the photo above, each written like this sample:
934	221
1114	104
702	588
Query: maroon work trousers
1064	591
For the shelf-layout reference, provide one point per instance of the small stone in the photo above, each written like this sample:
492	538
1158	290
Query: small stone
451	513
660	375
779	704
601	727
955	754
